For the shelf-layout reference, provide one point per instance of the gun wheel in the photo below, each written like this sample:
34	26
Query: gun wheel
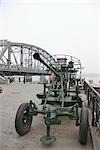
83	129
23	120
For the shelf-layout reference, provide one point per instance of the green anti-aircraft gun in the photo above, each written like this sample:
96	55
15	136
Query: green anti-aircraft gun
63	91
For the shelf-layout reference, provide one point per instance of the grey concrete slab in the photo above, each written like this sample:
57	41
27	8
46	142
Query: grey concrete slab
13	95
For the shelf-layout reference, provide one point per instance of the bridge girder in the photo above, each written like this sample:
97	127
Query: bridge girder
17	58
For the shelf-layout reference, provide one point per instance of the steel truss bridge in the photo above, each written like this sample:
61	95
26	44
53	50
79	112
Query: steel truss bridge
17	59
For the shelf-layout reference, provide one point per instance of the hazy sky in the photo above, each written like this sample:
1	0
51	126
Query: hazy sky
69	27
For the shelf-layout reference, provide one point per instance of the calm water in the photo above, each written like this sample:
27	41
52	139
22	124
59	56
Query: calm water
95	79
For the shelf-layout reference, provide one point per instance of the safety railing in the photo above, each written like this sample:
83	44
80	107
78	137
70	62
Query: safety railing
93	98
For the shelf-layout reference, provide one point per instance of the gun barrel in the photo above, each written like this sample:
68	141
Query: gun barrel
37	57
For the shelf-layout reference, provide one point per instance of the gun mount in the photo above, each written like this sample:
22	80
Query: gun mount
63	91
63	79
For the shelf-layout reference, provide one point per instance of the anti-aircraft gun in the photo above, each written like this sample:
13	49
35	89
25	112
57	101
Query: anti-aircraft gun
60	86
63	92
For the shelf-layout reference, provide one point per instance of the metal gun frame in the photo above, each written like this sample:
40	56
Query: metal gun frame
58	101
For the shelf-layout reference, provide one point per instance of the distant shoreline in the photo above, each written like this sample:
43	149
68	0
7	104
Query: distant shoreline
91	75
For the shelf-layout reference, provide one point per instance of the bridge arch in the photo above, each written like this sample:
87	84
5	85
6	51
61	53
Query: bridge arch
17	58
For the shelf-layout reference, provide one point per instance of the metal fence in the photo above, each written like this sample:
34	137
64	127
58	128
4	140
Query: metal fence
93	98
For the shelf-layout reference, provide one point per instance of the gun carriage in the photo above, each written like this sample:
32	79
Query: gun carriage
61	99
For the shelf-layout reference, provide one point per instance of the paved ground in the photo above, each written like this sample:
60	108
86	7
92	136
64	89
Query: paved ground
13	95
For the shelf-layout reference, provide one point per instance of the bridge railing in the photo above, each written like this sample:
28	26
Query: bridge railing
93	98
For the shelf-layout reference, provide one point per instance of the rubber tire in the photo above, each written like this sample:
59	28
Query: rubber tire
83	128
20	127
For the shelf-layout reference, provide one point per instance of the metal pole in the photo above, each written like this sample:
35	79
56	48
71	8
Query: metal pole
93	102
21	57
9	57
62	93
